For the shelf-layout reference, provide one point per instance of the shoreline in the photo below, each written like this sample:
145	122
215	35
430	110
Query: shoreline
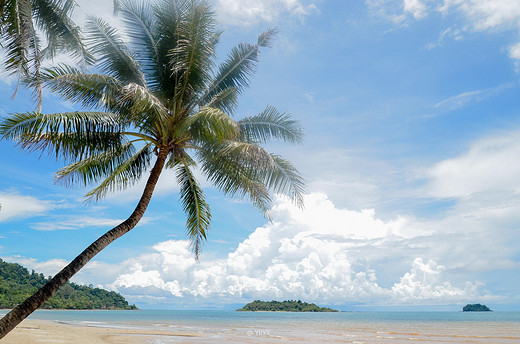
49	331
155	327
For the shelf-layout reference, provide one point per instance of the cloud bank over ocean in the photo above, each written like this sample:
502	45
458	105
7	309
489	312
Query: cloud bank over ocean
322	253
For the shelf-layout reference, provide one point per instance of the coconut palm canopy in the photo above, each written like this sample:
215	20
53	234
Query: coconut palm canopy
160	101
32	30
162	95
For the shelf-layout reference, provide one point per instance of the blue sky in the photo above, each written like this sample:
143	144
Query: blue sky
411	112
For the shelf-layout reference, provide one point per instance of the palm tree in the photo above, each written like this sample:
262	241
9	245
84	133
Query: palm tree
21	24
161	102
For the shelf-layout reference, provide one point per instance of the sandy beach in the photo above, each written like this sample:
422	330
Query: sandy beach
42	331
45	331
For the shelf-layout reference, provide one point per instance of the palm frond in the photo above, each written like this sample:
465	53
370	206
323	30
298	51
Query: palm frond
246	154
238	67
140	28
192	58
117	6
271	124
53	17
71	135
20	37
225	100
233	174
208	125
283	178
92	91
146	109
194	204
168	15
179	157
21	43
114	56
16	34
92	168
120	174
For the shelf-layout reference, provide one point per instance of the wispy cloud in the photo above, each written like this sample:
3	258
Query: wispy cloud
463	99
79	222
476	16
15	205
490	165
485	15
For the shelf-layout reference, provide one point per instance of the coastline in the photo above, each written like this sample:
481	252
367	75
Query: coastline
47	331
211	327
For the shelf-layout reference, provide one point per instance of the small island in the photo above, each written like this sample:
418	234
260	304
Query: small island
477	307
285	306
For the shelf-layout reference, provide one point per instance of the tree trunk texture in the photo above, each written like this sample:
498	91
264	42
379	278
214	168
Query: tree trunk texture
23	310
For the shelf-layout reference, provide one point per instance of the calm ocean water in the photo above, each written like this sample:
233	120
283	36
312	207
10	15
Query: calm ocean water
273	327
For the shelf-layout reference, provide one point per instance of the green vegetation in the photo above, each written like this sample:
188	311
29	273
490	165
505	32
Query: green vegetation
285	306
477	307
16	284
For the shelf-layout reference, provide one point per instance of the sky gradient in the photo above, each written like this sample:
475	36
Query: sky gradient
411	113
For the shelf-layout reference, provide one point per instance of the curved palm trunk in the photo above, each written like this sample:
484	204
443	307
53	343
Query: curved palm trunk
23	310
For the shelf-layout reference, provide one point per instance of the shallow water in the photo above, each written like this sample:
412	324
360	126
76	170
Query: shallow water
272	327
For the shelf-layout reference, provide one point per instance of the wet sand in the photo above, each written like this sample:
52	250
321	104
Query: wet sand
42	331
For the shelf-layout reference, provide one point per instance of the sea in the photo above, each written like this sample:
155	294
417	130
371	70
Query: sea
215	326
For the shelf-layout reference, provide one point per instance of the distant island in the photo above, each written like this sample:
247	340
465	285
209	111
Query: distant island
16	284
285	306
477	307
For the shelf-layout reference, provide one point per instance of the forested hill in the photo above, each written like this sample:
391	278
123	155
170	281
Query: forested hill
285	306
16	284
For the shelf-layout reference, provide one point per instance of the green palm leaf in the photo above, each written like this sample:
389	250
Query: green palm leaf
53	17
139	100
194	204
22	22
225	100
227	167
121	172
90	90
192	58
114	56
283	178
69	135
270	124
140	27
168	16
209	124
238	67
95	167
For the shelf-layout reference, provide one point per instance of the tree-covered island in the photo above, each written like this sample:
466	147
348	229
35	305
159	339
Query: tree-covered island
477	307
285	306
16	284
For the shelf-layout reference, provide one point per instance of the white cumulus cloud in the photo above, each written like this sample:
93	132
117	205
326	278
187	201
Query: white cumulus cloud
322	254
250	12
416	7
423	282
